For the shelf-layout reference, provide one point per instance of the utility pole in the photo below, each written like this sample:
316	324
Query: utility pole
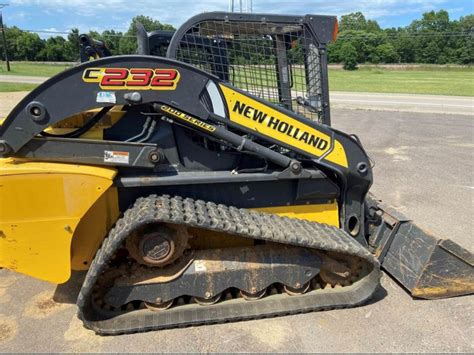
2	28
243	6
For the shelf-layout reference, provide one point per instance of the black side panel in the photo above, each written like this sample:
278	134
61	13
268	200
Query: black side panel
200	153
244	194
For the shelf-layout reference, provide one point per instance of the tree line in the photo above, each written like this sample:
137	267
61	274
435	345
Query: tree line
29	46
433	39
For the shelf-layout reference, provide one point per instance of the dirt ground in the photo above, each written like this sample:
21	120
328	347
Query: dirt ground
8	100
424	167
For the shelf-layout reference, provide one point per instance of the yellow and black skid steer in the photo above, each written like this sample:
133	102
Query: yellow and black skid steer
200	181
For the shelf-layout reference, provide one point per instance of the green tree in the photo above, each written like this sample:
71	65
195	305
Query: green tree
405	46
363	42
386	53
28	46
432	21
149	23
349	55
11	34
112	40
54	49
128	43
72	45
463	50
433	38
354	21
373	26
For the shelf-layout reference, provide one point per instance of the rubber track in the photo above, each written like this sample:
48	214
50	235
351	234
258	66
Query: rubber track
239	222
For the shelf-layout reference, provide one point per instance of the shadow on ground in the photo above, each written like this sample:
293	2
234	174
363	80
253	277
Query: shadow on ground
68	292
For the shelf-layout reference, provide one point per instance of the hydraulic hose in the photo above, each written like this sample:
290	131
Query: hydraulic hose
80	131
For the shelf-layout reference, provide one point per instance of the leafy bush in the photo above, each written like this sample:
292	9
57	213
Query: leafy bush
349	55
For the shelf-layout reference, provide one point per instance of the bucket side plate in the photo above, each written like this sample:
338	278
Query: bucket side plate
426	266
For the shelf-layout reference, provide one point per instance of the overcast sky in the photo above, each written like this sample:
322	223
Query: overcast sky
62	15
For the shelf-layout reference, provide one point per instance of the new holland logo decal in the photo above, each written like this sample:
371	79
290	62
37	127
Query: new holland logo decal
132	78
274	124
279	125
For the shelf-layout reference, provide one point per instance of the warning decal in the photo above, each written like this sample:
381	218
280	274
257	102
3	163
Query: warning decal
111	156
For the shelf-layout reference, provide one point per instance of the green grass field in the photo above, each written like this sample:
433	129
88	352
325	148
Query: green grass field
33	69
421	80
443	81
412	80
10	87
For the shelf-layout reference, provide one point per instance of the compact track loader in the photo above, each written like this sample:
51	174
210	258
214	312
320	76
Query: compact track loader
206	185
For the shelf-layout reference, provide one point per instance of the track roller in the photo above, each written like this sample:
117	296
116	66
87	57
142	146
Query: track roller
203	301
294	291
156	307
252	296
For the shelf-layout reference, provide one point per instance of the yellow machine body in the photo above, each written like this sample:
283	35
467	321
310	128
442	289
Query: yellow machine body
327	213
45	208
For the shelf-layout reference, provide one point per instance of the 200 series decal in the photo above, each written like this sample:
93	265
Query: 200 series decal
132	78
192	120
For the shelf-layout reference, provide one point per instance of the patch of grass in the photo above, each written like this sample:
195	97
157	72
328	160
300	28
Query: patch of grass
33	69
10	87
445	81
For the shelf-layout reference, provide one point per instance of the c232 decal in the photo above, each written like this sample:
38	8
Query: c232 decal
132	78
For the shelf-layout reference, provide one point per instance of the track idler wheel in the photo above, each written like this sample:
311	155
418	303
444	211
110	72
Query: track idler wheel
159	246
298	290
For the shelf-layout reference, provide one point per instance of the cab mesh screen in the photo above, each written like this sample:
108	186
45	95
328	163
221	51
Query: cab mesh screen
276	62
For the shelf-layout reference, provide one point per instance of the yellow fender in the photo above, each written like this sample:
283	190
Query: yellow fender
53	216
